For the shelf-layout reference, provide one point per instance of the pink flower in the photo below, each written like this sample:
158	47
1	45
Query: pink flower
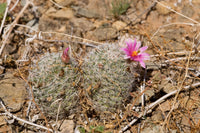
135	53
65	57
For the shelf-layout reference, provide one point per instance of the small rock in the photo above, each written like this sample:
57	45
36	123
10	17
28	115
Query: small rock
64	13
12	92
196	116
148	94
163	10
186	122
67	126
64	3
153	129
82	12
102	34
6	129
82	23
2	69
130	18
100	7
119	25
153	65
2	121
157	116
188	11
166	86
195	1
165	106
33	24
47	24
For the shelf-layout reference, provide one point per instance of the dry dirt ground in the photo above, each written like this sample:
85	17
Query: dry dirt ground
170	29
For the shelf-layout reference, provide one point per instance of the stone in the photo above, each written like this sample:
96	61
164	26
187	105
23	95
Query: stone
33	24
174	38
166	86
148	94
157	116
83	12
102	34
100	6
186	123
2	69
82	23
153	129
195	2
119	25
165	106
130	18
64	13
67	126
188	11
6	129
2	121
163	10
48	24
13	92
65	3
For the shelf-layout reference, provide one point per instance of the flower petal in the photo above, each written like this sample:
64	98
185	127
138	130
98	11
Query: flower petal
131	45
142	64
145	56
142	49
137	46
126	51
126	57
134	46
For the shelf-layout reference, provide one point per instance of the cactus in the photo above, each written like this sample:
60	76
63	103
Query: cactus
106	68
105	71
54	84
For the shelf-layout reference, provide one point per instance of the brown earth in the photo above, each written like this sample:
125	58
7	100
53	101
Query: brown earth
172	36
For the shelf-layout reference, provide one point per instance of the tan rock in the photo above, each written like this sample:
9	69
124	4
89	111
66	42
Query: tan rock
67	126
48	24
101	34
12	92
165	106
163	10
153	129
84	12
195	1
6	129
2	69
119	25
157	116
2	121
64	2
100	6
82	23
64	13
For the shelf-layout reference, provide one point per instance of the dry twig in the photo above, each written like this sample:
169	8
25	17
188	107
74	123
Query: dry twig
148	108
12	26
8	114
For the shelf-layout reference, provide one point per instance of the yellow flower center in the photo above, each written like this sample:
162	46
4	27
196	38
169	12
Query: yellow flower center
134	53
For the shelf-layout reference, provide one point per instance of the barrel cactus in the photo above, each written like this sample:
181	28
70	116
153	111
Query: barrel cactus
54	84
109	76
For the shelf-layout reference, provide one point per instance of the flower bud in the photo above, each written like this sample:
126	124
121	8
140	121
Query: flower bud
65	56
